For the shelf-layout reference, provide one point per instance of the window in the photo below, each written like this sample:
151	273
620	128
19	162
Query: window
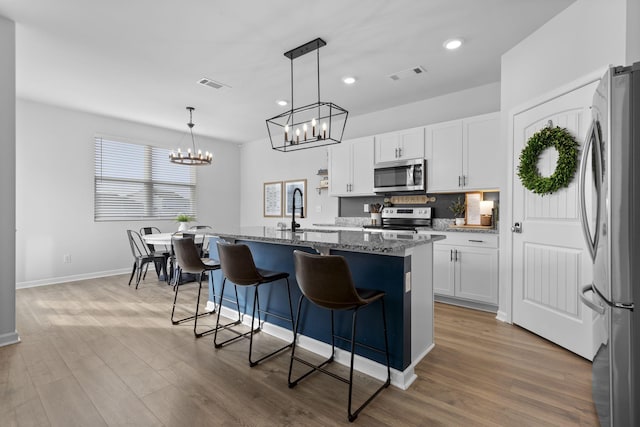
137	182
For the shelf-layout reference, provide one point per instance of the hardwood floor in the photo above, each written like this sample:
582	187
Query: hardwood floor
97	353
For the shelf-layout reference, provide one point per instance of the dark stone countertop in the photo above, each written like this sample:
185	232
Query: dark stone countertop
357	241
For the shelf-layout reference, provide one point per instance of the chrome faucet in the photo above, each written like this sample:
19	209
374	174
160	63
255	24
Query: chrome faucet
294	224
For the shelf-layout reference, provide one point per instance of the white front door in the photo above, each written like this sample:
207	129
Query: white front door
550	259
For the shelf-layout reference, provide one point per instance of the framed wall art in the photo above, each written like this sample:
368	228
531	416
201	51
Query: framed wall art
272	199
301	199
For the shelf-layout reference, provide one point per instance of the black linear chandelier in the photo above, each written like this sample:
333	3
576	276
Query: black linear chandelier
191	158
313	125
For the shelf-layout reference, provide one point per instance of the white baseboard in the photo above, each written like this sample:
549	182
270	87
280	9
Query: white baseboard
400	379
9	338
72	278
502	316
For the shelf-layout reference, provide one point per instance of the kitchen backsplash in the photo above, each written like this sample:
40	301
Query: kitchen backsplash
354	206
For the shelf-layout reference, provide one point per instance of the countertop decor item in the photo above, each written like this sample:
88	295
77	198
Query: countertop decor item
472	202
313	125
458	209
411	200
375	210
191	158
566	167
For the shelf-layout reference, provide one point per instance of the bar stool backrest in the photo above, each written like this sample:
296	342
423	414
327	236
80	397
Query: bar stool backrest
326	281
187	255
237	264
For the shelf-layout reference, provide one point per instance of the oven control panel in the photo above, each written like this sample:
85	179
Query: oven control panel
409	213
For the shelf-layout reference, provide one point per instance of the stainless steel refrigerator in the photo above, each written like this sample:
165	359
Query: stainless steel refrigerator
610	207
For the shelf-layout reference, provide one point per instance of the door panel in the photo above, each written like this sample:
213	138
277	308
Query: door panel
552	278
339	169
550	259
481	143
444	156
477	270
362	166
386	147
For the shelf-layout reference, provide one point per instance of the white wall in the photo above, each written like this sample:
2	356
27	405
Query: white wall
585	37
55	184
8	334
633	31
259	163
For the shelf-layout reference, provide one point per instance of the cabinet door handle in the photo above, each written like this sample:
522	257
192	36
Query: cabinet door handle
459	181
451	255
464	180
400	152
456	258
476	241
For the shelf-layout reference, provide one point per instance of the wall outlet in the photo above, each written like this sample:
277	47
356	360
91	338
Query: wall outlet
366	207
66	258
318	208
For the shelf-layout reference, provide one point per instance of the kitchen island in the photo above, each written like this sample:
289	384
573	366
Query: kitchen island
399	265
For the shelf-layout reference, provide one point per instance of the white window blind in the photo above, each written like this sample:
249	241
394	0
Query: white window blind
137	182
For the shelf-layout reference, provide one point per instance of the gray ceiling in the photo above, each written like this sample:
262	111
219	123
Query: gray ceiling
141	60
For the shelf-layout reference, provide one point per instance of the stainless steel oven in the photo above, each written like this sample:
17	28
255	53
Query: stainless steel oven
400	176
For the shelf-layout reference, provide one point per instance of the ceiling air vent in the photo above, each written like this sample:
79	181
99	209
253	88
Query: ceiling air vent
411	72
212	83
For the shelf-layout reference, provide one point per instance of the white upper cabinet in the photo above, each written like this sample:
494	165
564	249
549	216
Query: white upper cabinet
483	162
351	168
400	145
464	154
444	156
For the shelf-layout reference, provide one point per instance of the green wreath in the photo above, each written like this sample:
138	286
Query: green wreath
567	147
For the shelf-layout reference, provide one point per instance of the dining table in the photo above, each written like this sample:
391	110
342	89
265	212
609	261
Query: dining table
165	238
157	239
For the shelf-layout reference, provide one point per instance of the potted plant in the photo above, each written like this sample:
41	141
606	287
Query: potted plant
458	208
184	221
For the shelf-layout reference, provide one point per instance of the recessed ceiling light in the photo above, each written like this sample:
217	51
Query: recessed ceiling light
349	80
452	44
282	102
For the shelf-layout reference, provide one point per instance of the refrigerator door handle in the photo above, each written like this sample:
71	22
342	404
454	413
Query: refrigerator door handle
592	241
588	302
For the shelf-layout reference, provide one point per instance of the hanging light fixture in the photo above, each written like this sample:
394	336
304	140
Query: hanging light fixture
192	158
309	126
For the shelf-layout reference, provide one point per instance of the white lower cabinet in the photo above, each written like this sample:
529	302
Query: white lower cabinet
465	266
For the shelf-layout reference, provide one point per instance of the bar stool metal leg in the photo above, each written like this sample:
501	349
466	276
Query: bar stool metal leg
352	415
256	302
314	368
196	315
217	344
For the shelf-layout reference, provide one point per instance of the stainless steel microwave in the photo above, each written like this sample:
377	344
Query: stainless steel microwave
400	176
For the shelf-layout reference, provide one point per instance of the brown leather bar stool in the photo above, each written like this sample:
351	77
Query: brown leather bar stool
239	268
189	261
326	281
